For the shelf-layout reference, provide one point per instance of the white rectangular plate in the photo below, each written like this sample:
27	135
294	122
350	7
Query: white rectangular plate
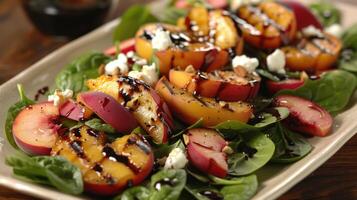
274	179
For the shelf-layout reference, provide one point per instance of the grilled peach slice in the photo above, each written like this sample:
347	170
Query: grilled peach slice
185	51
205	151
75	111
305	116
141	100
106	168
109	110
313	54
190	108
221	85
35	128
213	26
288	84
268	25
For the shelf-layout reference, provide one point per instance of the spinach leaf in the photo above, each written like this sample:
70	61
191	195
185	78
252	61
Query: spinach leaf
78	71
332	91
231	129
49	170
13	111
231	189
172	14
167	184
252	153
289	146
242	188
99	125
135	193
326	12
348	60
267	74
197	124
131	20
161	150
271	116
349	38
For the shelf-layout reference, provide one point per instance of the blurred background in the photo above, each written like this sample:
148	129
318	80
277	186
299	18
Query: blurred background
30	29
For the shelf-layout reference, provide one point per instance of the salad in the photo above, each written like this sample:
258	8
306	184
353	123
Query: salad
190	103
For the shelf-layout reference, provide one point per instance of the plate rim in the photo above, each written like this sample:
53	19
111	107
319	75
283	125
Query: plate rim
279	189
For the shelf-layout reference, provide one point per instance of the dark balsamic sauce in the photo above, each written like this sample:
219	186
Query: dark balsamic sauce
112	155
76	145
77	132
41	92
93	133
246	150
165	181
141	144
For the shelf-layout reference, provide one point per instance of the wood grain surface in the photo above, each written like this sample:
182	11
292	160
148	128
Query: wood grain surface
21	45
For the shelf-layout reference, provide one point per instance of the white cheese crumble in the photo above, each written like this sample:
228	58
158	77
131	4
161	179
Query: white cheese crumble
249	64
148	74
161	41
312	31
176	159
276	62
334	29
118	66
235	4
59	96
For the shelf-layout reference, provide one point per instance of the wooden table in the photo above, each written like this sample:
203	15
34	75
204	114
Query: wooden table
21	45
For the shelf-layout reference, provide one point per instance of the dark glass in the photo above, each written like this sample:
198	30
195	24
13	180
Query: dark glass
69	18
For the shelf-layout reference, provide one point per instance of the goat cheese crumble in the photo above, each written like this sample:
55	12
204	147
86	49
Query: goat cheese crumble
147	74
334	29
312	31
176	159
276	62
249	64
59	96
118	66
161	41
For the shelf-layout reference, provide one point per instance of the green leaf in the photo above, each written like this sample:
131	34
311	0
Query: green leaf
251	154
131	20
349	38
348	61
162	150
135	193
13	111
197	124
271	116
242	188
167	184
49	170
289	146
267	74
99	125
326	12
172	14
348	58
74	75
332	91
231	129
